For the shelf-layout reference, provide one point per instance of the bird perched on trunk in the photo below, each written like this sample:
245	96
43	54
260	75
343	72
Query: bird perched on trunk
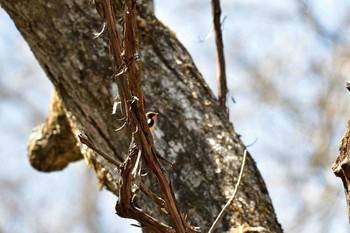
151	120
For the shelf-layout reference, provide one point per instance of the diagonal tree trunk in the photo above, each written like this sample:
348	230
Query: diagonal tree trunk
193	131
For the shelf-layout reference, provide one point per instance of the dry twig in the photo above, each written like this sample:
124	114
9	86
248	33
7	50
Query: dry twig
89	143
155	198
230	201
220	57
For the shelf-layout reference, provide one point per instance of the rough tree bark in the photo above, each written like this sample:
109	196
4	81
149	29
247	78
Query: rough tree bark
341	166
192	130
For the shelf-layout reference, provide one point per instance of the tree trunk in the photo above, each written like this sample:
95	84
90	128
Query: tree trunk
341	167
192	130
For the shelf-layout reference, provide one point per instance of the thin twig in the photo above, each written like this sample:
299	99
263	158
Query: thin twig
98	34
125	205
88	142
121	127
154	197
220	57
251	144
137	164
210	33
230	201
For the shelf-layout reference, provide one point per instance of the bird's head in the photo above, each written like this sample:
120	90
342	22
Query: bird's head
151	115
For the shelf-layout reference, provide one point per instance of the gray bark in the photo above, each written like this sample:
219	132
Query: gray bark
341	167
192	130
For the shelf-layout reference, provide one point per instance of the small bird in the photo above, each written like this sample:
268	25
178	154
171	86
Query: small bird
151	120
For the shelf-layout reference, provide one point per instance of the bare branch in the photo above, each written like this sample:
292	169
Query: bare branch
98	34
125	206
230	201
89	143
121	127
220	57
156	199
84	139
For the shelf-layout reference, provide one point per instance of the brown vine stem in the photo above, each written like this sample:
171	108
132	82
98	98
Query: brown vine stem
129	86
220	57
156	199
